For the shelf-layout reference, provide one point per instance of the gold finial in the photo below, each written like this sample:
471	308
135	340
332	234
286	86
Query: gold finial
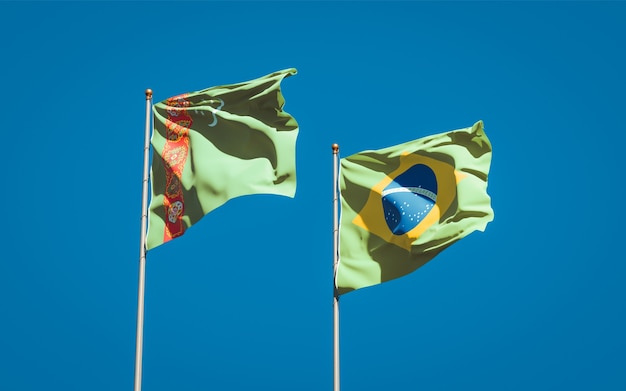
335	148
148	94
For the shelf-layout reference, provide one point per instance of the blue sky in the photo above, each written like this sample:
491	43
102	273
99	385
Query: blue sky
534	302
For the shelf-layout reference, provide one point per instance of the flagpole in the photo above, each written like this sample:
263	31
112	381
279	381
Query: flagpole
142	247
335	264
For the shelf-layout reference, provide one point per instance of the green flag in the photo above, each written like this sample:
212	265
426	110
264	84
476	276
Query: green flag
403	205
216	144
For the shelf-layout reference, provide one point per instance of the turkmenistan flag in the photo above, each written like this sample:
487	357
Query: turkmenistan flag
403	205
216	144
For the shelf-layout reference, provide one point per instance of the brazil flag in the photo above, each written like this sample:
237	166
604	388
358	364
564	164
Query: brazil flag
403	205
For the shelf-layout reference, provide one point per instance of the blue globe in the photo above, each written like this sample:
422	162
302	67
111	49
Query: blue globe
409	198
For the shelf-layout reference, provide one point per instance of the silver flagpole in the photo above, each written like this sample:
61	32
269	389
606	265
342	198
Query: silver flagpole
142	246
335	263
